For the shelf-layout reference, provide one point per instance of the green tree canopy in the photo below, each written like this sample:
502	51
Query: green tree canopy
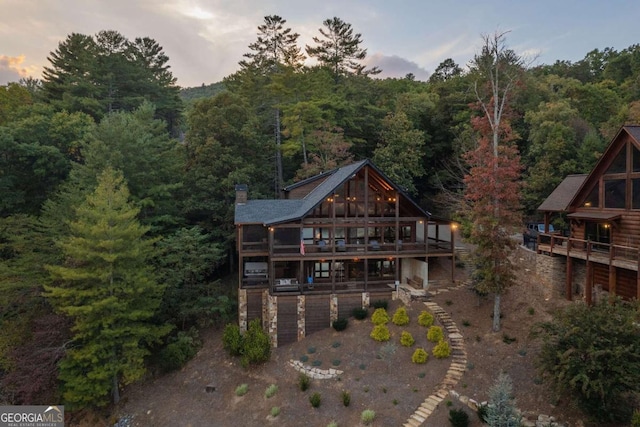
108	288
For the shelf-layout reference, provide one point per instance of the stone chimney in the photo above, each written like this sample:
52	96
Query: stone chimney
241	194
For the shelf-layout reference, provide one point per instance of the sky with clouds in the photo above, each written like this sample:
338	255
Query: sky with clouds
205	39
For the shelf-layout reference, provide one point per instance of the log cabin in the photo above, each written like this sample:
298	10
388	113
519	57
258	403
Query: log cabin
600	257
334	242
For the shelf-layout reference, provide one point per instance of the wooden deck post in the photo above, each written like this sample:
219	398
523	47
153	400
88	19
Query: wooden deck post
612	282
569	275
588	283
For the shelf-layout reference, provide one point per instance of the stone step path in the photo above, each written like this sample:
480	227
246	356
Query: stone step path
454	373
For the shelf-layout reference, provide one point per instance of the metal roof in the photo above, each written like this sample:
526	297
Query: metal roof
560	199
269	212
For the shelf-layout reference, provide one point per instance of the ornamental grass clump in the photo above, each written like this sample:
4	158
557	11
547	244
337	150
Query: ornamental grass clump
367	416
425	319
420	356
400	317
442	350
380	333
406	339
380	317
271	391
435	334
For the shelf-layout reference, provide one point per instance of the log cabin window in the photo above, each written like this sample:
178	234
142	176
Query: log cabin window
619	164
592	200
614	193
636	159
635	193
321	270
597	232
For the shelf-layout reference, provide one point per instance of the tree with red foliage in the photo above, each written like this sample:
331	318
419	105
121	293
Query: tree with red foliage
492	185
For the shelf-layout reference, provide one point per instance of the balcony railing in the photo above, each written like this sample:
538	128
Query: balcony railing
605	253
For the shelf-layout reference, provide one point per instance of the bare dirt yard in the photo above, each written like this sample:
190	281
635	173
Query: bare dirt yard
378	376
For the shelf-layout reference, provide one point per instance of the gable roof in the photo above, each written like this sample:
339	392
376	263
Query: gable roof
270	212
573	187
560	199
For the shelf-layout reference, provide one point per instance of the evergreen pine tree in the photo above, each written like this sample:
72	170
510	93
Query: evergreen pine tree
106	286
502	410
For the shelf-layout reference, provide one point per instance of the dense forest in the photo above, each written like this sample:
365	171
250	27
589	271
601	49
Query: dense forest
116	215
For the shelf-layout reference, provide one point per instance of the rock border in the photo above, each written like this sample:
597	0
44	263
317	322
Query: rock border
315	373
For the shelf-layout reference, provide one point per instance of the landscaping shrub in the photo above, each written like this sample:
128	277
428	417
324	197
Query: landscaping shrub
458	418
271	391
275	411
591	354
257	346
346	398
367	416
380	317
380	333
242	389
381	303
419	356
425	319
482	413
442	350
304	382
360	313
435	334
400	317
635	418
179	350
501	409
406	339
332	424
232	339
340	324
315	399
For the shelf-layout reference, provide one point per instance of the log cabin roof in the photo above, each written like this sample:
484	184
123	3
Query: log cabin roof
560	199
277	211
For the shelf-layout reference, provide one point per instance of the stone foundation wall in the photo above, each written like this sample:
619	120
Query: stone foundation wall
551	273
242	309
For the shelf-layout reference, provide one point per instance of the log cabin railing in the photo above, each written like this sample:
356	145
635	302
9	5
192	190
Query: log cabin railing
558	244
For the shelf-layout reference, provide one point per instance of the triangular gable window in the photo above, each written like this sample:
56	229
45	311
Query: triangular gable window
619	164
636	159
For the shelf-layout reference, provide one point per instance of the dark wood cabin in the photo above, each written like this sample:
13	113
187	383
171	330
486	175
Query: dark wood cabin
336	241
603	211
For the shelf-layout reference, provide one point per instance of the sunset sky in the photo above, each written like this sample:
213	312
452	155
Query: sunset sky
205	39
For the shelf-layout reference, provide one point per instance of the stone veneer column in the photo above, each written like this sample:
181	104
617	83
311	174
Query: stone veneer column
242	309
365	299
273	319
301	317
333	309
265	309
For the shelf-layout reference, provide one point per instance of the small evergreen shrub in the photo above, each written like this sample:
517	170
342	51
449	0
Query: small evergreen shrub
425	319
232	339
275	411
304	381
346	398
635	418
482	413
380	333
340	324
311	350
360	313
442	350
458	418
400	317
315	399
419	356
336	362
406	339
332	424
271	391
336	344
304	358
242	389
179	350
367	416
317	362
380	317
381	303
435	334
257	345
